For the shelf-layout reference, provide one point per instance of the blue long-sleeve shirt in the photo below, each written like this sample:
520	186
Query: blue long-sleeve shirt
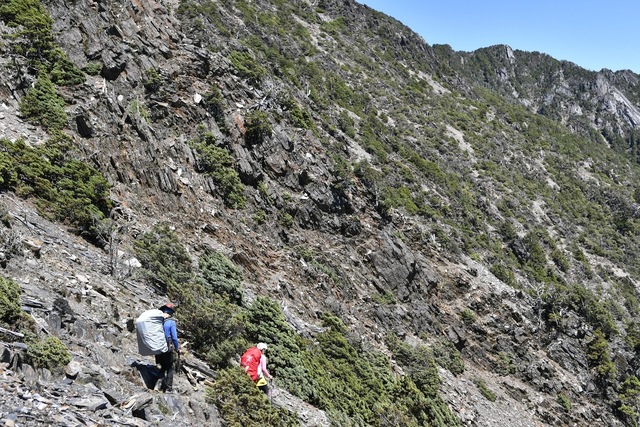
171	332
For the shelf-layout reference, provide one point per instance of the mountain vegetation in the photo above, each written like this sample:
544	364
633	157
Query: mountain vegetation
449	222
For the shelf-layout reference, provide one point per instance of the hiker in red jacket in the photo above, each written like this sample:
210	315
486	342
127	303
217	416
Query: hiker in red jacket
255	364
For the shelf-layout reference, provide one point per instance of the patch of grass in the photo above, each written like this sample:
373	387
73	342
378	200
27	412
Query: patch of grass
137	109
384	298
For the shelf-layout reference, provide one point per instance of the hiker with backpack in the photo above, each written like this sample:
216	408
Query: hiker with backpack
157	335
254	362
171	336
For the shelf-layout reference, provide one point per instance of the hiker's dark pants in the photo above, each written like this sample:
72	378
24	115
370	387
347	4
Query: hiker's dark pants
165	360
265	389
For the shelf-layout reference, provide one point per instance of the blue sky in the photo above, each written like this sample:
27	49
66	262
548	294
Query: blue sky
592	34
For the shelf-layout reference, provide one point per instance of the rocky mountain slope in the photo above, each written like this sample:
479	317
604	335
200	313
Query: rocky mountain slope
481	206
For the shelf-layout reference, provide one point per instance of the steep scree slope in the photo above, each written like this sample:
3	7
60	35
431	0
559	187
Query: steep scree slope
482	208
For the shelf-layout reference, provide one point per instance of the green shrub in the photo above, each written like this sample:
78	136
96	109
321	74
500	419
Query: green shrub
505	364
357	387
242	404
560	260
399	197
447	355
214	103
484	390
384	298
65	72
264	191
66	188
629	398
633	336
266	323
347	384
93	68
599	358
43	105
247	66
418	362
304	253
285	220
36	40
260	217
217	163
346	124
468	317
10	306
10	240
588	305
626	291
48	353
503	273
8	173
299	117
153	81
351	386
564	401
35	21
335	27
220	276
212	324
165	261
12	316
257	128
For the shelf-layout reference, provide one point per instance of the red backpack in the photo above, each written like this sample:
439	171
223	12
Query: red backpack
250	361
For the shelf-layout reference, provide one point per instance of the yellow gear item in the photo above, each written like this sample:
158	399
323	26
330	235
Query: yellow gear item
262	381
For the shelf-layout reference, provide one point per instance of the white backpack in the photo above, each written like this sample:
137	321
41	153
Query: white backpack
151	338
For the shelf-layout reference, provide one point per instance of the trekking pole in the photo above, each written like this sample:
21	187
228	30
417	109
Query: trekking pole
183	346
271	390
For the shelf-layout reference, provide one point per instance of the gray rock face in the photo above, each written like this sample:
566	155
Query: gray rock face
397	265
140	142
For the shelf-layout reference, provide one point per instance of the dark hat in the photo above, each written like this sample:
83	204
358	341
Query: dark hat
168	307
